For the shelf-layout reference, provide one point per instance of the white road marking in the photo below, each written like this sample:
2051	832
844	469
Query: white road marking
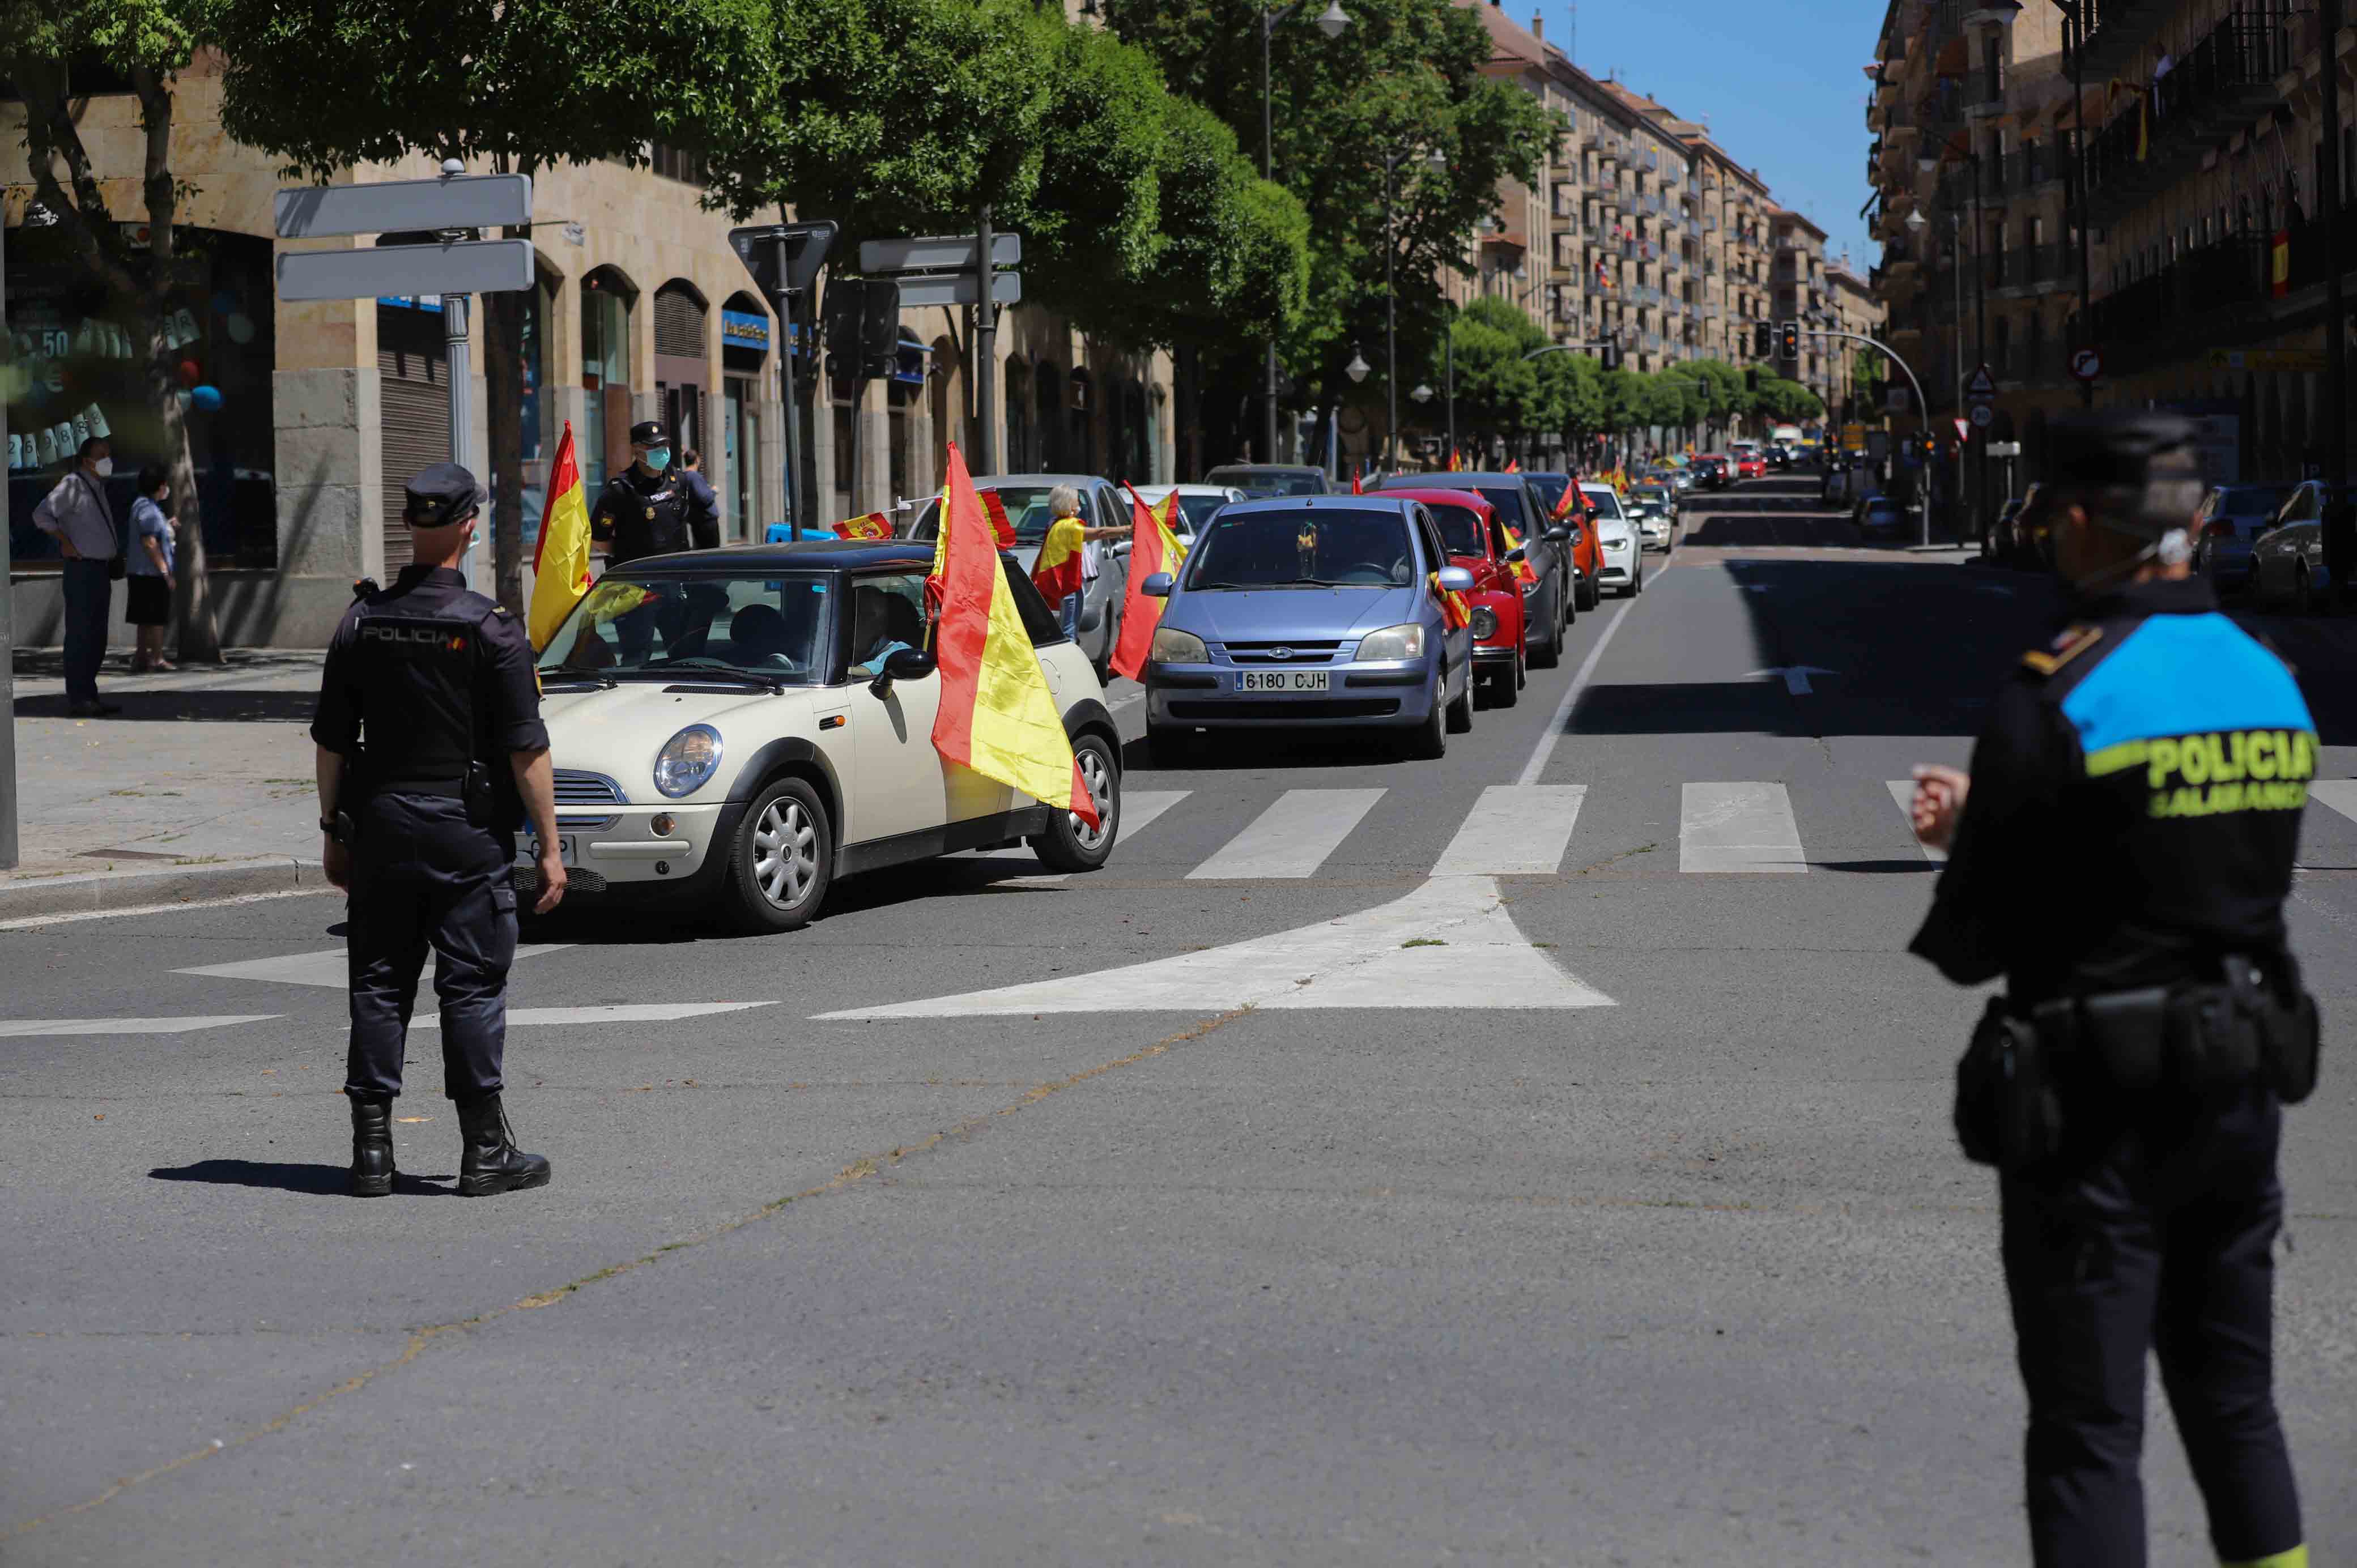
1739	827
1139	808
628	1013
1415	952
1796	676
1535	769
1904	791
2341	794
14	1028
1293	837
1514	829
328	969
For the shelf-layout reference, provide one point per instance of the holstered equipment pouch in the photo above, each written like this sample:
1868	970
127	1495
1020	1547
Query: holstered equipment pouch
2007	1112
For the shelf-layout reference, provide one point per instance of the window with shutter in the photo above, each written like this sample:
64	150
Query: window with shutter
413	420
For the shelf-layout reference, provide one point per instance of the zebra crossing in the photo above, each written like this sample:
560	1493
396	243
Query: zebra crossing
1724	828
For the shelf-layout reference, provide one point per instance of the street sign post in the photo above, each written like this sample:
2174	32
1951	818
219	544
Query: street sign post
784	259
1894	400
1963	429
959	288
2086	365
1982	387
456	269
938	253
947	270
1982	416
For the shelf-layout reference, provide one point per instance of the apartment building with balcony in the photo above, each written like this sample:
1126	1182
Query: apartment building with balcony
1854	307
1798	291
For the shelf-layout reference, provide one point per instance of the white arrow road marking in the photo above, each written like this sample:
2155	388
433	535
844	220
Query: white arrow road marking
1739	827
2341	794
328	969
1292	838
1904	791
1514	829
17	1027
629	1013
1796	676
1356	960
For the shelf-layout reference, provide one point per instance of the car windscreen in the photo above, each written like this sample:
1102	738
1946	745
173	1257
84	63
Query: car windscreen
1600	497
1198	510
1326	548
1506	501
1269	482
1460	528
1550	491
677	627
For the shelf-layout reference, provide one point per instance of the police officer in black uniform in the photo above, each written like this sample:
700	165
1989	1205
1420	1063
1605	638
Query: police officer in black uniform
647	508
2122	849
431	754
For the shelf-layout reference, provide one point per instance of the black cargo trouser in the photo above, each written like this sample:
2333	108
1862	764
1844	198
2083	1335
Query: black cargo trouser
424	877
2161	1237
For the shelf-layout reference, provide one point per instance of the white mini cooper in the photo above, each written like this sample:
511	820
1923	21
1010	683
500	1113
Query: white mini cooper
739	728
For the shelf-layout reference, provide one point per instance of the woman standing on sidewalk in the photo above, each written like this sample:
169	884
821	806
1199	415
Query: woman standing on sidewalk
147	590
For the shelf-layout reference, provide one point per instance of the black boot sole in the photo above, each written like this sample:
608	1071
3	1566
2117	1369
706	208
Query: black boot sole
372	1187
491	1187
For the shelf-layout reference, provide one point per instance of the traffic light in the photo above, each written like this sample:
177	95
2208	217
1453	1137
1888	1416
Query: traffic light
1790	336
1760	345
1608	356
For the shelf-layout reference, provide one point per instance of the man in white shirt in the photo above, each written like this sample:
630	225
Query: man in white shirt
76	514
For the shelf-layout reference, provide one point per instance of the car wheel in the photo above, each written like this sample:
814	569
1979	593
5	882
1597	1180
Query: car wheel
1069	843
1506	686
1429	742
1459	717
1521	669
1636	580
1547	654
1591	593
781	860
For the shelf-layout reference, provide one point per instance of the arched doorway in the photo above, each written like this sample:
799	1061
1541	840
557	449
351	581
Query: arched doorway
683	368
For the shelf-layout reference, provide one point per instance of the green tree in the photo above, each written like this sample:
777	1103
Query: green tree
43	45
1788	403
537	83
1500	393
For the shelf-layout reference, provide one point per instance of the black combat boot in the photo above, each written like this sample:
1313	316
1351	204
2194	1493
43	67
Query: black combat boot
492	1162
371	1145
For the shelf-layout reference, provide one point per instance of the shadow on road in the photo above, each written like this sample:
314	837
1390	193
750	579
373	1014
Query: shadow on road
312	1180
184	707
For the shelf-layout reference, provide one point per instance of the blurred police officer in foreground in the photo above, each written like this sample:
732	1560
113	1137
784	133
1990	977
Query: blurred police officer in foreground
648	509
431	754
2122	849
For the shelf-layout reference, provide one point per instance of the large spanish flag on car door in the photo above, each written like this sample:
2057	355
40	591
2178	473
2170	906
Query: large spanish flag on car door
1152	547
998	715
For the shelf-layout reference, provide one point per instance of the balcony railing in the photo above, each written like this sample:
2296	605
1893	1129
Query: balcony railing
2164	132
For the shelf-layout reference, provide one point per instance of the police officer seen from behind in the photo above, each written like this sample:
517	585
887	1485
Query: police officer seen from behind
2121	852
431	754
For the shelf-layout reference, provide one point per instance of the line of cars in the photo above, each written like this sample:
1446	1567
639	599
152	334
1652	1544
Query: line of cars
2267	541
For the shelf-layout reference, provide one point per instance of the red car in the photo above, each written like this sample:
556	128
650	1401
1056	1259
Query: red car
1471	532
1750	463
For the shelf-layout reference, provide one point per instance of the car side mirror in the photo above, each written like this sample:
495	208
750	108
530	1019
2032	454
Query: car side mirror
902	664
1519	553
1559	534
1454	579
1157	585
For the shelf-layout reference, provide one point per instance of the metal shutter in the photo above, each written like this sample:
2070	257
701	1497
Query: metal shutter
679	324
414	423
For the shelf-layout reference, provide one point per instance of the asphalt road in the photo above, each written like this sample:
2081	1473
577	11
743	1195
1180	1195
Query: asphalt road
1413	1206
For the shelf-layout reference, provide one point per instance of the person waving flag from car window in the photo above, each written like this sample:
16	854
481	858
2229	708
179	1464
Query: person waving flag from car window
997	714
1064	564
1154	547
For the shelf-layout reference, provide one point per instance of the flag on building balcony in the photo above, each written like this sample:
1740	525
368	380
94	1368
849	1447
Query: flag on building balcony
997	714
1152	547
2279	263
560	562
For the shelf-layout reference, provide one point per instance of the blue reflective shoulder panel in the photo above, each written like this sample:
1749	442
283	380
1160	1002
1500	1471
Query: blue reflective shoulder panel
2184	675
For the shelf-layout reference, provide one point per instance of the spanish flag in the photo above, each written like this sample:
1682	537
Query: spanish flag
1152	547
1356	488
560	564
998	523
1057	572
2279	263
874	525
1456	463
1568	507
997	714
1513	465
1523	569
1453	608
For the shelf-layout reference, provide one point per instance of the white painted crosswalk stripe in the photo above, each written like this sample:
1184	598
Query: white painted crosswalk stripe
1139	808
1904	791
1293	837
1514	829
1739	827
327	968
2341	794
19	1029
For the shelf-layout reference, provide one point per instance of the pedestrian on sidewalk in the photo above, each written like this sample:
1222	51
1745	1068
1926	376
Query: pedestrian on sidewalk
431	754
703	501
147	590
2121	852
76	514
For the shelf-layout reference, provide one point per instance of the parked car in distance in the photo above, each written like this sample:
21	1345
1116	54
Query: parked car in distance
1622	557
1470	533
2229	524
1715	470
1307	613
738	728
1653	508
1882	516
1025	497
2287	559
1748	462
1196	503
1522	503
1257	479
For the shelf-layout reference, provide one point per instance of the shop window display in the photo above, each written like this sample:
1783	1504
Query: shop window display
71	367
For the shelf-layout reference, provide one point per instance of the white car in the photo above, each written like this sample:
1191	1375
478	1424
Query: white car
737	728
1617	544
1196	503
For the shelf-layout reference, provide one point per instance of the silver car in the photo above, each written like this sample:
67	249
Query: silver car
1025	497
2288	560
2231	520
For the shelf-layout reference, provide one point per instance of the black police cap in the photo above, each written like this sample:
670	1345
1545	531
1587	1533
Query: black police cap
2144	459
439	496
650	433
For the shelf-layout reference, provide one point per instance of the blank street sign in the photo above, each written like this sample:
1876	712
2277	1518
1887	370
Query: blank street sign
461	202
938	253
1005	288
474	266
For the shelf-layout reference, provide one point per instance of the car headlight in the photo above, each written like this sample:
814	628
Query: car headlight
1485	623
1394	642
687	761
1172	646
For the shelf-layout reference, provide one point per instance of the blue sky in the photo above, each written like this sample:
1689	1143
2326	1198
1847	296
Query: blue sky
1779	80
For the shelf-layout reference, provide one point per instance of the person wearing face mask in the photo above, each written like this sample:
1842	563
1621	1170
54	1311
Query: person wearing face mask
78	516
646	510
147	591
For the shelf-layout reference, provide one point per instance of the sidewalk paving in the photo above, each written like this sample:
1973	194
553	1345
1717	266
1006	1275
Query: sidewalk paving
200	787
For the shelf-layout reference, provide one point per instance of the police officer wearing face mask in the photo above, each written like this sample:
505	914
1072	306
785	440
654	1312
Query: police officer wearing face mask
2121	852
431	754
646	510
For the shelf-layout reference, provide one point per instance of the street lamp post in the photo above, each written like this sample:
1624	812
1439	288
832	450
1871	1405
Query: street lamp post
1331	21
